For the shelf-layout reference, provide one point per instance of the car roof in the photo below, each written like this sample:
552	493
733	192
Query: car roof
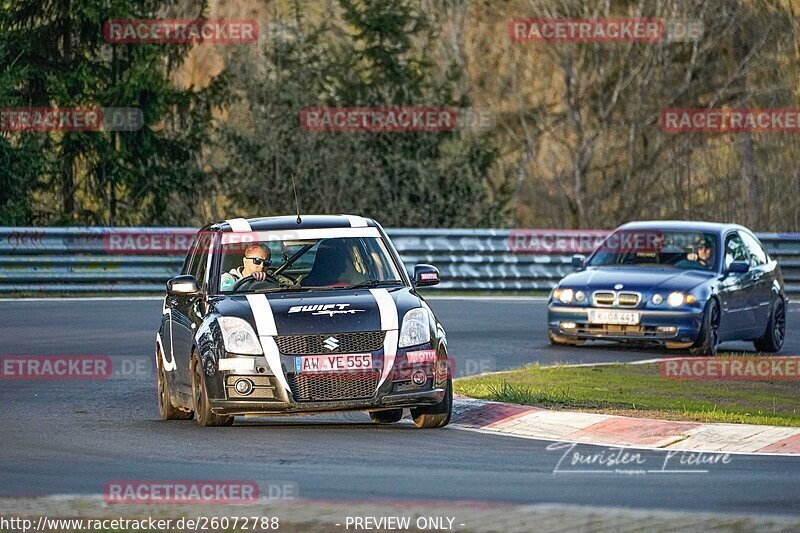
681	225
290	222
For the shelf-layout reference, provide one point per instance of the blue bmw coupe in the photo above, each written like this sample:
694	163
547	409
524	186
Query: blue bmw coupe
678	284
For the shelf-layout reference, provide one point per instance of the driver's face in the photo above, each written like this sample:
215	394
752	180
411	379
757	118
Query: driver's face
703	252
250	259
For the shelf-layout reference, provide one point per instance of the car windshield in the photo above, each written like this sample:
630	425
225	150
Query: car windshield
298	265
656	248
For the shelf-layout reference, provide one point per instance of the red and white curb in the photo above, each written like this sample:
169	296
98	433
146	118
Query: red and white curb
608	430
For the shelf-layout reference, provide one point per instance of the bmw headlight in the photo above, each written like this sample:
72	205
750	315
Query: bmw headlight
564	296
676	299
238	336
416	328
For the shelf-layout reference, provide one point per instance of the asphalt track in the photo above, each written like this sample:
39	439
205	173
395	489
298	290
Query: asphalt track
73	436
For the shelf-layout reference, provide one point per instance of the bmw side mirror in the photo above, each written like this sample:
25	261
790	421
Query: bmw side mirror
579	261
183	286
425	276
739	267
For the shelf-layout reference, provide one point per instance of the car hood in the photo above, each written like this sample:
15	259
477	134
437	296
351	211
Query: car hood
637	279
334	311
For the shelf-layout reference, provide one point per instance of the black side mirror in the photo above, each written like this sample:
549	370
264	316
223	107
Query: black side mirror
739	267
579	261
425	276
183	286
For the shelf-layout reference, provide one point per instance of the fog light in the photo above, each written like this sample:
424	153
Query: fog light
243	386
419	378
666	329
568	325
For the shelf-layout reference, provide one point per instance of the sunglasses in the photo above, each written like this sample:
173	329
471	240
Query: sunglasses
258	260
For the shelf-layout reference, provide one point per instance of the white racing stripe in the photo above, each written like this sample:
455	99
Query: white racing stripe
239	225
301	234
266	331
389	324
356	221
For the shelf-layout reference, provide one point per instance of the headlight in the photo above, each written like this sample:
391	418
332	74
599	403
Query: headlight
675	299
580	296
657	299
416	329
238	336
564	296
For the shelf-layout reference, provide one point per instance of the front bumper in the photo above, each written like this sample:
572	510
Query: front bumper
685	324
325	392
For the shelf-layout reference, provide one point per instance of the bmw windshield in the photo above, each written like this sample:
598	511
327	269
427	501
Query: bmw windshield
655	248
303	264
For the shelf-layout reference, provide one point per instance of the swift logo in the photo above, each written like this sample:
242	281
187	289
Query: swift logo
325	309
331	343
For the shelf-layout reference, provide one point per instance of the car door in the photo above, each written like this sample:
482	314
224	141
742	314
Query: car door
735	291
762	273
188	311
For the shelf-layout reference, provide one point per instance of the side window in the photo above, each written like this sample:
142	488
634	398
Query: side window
200	260
734	249
758	256
187	262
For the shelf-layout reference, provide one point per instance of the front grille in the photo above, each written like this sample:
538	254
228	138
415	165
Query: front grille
618	299
326	387
362	342
603	298
628	299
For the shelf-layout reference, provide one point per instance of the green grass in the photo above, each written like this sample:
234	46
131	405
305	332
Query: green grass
640	391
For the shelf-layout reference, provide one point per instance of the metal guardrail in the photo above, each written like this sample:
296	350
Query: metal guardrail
79	260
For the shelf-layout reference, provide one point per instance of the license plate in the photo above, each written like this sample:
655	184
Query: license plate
625	318
310	364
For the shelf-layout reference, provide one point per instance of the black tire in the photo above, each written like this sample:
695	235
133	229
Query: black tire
773	338
166	410
708	340
386	417
435	416
558	340
202	412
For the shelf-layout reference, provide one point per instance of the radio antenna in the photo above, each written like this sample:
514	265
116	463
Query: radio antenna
296	201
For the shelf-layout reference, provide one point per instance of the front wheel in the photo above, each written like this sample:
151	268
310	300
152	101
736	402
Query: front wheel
708	339
773	338
386	417
166	410
203	414
435	416
558	340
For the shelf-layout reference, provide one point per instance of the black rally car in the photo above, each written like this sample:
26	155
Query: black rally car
334	323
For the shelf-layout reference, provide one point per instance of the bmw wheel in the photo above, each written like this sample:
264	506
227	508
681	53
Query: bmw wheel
708	339
773	338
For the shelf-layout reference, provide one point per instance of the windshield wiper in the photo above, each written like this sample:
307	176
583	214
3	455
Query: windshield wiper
287	288
372	283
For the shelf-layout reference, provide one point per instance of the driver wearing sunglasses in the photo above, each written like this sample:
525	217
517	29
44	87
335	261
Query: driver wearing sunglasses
256	259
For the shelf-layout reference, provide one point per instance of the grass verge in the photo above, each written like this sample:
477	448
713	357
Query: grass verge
640	391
